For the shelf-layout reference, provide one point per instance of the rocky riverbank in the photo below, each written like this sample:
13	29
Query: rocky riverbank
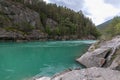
102	61
28	20
93	73
18	36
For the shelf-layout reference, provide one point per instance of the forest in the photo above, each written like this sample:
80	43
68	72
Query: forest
64	21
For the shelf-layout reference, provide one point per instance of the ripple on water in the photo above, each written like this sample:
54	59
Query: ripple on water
20	61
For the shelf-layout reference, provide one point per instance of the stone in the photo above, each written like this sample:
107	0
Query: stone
93	73
102	55
116	63
43	78
51	24
95	58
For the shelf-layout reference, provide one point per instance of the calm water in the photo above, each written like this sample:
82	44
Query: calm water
21	61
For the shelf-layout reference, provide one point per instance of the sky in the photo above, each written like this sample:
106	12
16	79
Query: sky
98	10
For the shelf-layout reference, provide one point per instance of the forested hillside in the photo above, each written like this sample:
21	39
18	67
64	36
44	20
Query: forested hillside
112	29
53	20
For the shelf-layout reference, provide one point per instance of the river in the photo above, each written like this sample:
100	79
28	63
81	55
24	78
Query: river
21	61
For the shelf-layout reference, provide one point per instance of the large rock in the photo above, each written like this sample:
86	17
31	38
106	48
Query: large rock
51	24
88	74
43	78
37	35
98	57
94	58
19	36
116	63
10	35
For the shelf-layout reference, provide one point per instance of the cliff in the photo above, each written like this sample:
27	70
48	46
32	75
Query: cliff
18	22
36	20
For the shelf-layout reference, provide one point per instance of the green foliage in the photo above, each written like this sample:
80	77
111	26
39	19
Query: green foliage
24	27
4	20
9	28
69	21
57	31
113	28
47	30
117	29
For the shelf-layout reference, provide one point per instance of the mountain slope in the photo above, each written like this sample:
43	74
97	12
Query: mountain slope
103	25
110	28
34	19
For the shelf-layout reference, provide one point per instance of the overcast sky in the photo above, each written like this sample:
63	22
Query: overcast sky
98	10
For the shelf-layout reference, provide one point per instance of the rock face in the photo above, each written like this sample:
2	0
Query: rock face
100	56
94	58
10	35
43	78
36	35
116	63
17	22
18	36
19	14
51	24
88	74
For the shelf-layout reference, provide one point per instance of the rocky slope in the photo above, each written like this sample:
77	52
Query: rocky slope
87	74
102	61
102	55
36	20
18	22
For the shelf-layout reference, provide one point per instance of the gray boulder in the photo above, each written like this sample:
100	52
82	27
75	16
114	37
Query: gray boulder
10	35
51	24
95	58
88	74
36	35
98	57
116	63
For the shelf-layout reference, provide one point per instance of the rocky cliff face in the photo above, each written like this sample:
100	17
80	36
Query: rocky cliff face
17	22
35	20
18	14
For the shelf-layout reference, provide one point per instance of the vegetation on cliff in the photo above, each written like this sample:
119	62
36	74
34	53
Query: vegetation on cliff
53	20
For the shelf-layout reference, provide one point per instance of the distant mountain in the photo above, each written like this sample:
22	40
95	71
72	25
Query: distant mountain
104	25
110	28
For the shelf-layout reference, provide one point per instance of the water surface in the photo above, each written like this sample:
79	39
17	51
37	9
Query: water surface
21	61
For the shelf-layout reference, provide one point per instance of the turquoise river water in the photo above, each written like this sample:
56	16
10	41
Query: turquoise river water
21	61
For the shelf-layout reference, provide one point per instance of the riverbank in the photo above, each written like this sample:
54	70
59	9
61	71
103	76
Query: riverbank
37	35
23	60
101	60
24	21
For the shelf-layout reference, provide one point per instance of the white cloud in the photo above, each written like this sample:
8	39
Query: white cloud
115	3
100	10
47	1
72	4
